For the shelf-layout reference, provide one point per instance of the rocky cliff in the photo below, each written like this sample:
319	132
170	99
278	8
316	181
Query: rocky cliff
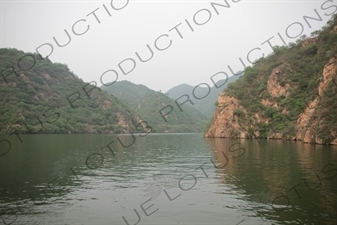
291	94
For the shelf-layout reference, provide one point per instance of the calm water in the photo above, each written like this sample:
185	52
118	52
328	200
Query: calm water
165	179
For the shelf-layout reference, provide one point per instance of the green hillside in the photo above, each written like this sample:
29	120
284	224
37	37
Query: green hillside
147	103
291	94
205	105
129	93
49	98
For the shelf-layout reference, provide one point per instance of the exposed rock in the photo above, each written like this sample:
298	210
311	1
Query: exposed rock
334	30
334	142
122	121
285	111
304	118
24	77
276	136
309	136
319	140
106	104
273	87
309	41
307	128
46	75
225	124
296	103
267	102
260	119
329	70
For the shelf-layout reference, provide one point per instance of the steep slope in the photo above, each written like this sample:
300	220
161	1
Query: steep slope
128	93
38	96
148	104
179	90
291	94
205	105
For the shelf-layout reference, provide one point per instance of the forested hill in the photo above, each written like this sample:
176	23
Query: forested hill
38	96
205	105
291	94
153	107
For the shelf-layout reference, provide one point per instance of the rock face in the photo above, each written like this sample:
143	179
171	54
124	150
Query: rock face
306	123
273	86
329	70
225	123
308	42
290	95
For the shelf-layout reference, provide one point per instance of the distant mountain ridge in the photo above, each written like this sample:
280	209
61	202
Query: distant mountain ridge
158	110
206	105
128	92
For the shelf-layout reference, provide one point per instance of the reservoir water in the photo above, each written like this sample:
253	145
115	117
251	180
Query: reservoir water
165	179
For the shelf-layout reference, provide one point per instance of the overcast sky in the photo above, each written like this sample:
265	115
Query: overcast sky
109	33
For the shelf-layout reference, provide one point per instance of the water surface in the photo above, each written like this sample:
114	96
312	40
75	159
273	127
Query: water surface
165	179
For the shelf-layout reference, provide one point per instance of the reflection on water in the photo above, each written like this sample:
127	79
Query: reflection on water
166	179
288	181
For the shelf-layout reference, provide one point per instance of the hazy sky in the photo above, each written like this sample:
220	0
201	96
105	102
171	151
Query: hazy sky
109	33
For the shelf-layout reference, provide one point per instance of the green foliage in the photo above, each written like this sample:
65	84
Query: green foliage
262	87
316	33
311	50
328	115
203	104
300	72
41	92
239	113
148	103
209	124
332	39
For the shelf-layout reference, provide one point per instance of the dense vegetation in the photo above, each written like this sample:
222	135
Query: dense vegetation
147	103
35	100
300	66
206	105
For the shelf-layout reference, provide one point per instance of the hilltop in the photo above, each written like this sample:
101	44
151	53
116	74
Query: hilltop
38	96
148	104
291	94
206	105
